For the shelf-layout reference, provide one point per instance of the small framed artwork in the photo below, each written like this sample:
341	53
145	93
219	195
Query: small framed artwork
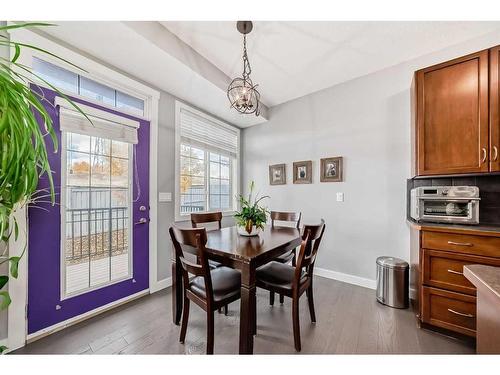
302	172
331	170
277	174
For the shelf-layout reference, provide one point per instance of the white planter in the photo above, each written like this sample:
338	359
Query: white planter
242	231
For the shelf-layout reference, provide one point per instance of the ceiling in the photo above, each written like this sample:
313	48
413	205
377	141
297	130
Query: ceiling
293	59
196	60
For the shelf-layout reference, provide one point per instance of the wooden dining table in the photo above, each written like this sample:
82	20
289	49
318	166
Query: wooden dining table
246	254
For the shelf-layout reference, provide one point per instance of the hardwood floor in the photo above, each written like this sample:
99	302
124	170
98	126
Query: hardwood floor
349	320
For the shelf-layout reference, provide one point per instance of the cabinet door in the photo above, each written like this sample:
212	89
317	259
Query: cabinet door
452	116
494	109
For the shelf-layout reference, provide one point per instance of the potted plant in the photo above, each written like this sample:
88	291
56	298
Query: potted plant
23	157
251	218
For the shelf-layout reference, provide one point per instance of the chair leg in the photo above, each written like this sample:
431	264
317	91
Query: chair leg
185	318
282	299
210	332
271	298
310	299
219	310
225	310
296	323
294	261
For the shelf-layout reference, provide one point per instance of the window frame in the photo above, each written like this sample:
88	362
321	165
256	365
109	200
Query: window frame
235	164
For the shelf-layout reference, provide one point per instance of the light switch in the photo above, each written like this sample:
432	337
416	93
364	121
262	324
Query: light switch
340	197
165	197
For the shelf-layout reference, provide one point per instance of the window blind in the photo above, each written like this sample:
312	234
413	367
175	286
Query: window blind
75	122
201	131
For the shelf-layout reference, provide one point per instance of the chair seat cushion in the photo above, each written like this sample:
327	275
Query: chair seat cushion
285	258
278	275
213	264
226	284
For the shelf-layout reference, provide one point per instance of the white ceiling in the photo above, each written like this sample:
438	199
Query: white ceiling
293	59
196	60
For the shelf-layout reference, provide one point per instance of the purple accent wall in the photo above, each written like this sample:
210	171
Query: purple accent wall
44	253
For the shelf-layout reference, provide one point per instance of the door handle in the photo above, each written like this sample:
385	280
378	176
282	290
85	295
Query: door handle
455	272
485	155
142	220
461	314
495	153
460	243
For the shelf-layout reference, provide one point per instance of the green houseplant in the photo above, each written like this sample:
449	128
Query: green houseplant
251	218
23	157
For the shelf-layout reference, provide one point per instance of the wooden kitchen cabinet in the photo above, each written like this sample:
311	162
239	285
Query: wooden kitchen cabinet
442	297
494	109
451	116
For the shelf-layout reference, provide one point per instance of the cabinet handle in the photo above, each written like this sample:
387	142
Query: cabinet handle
461	314
485	155
495	153
455	272
460	243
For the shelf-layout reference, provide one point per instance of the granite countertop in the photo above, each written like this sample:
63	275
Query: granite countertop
473	227
487	276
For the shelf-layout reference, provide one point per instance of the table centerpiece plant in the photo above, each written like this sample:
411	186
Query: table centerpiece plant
251	218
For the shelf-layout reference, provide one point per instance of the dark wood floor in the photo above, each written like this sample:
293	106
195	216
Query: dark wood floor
349	320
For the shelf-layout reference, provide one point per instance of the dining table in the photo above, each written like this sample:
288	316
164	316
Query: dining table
245	254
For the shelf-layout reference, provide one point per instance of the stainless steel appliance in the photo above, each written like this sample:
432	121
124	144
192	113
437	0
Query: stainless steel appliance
445	204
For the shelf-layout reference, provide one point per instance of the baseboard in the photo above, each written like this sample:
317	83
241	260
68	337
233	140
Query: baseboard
162	284
80	318
346	278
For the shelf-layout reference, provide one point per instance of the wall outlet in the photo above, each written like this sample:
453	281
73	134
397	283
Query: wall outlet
340	197
165	197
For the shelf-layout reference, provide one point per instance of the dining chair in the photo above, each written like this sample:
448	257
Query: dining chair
293	281
294	217
210	288
207	218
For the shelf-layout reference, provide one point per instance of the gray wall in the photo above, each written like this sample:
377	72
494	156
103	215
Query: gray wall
367	121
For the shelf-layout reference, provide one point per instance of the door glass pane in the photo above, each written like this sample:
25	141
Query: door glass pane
97	212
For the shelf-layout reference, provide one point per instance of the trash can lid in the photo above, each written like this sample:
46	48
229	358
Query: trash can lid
391	262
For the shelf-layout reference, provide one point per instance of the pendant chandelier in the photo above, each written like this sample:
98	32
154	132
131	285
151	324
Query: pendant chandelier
242	93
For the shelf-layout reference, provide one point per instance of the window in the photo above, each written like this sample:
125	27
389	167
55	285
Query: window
207	163
70	82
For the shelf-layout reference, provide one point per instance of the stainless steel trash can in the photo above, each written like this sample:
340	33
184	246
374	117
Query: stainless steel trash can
393	282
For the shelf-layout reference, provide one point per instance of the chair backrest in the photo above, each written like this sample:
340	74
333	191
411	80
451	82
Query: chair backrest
192	241
207	217
311	239
286	216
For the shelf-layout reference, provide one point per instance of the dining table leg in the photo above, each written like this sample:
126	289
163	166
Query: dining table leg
176	292
247	309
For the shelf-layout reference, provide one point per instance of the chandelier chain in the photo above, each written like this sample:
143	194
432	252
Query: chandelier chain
246	63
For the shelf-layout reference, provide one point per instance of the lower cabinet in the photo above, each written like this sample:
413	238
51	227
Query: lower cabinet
445	298
450	310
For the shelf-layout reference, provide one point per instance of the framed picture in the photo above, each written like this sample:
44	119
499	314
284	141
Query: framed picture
302	172
277	174
331	169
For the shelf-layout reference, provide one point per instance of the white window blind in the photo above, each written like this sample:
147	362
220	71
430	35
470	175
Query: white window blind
201	131
74	122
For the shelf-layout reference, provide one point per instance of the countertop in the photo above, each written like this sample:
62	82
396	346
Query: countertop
491	229
484	276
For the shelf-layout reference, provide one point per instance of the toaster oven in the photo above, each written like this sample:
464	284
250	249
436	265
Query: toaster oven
445	204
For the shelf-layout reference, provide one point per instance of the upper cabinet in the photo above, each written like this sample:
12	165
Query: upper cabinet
450	105
494	109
